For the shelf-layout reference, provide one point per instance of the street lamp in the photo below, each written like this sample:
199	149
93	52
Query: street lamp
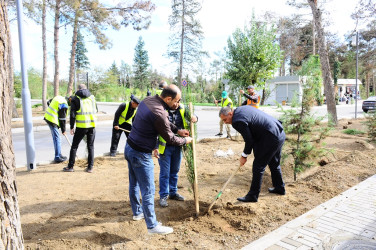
356	80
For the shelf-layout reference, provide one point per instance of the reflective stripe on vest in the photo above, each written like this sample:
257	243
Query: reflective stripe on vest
253	103
86	116
124	114
162	142
51	114
226	102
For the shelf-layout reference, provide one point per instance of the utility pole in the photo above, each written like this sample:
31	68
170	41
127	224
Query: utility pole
26	99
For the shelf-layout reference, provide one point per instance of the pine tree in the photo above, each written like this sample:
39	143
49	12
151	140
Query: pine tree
141	65
186	38
81	61
114	73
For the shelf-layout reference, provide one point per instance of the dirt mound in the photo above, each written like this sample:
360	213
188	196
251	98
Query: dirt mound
92	211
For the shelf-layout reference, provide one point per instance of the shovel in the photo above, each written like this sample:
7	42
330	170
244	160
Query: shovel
70	144
223	188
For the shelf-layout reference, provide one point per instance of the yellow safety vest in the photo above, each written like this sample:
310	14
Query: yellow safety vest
124	114
253	103
51	114
159	92
86	117
225	103
162	142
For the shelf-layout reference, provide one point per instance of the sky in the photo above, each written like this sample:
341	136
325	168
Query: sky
219	19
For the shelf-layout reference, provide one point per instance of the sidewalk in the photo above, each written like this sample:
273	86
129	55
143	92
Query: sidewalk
347	221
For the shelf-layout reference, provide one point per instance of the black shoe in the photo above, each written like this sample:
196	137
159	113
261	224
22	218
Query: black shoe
247	198
219	134
113	154
177	197
89	169
61	159
276	191
68	169
228	137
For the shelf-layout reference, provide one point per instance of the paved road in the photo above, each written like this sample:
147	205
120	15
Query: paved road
207	126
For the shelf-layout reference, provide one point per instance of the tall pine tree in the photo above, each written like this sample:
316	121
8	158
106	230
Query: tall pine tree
186	38
141	65
81	61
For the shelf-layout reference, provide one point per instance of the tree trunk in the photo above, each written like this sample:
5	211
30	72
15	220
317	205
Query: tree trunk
181	44
44	46
313	38
56	47
282	69
10	229
325	67
13	104
367	84
73	55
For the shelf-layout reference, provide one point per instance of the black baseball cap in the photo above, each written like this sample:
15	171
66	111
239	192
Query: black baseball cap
135	99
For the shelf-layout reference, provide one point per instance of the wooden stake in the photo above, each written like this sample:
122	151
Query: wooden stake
195	184
223	188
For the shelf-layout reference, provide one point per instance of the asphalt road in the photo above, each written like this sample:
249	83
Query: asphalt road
207	126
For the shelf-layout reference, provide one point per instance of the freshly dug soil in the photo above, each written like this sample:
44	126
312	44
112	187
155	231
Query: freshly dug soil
92	211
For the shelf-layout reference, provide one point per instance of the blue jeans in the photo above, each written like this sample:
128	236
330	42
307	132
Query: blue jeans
169	164
141	178
56	139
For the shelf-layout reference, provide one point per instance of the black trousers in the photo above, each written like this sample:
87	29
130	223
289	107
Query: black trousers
116	134
77	138
267	152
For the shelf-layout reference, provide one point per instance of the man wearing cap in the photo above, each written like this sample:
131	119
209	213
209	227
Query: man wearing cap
225	102
253	99
124	116
55	117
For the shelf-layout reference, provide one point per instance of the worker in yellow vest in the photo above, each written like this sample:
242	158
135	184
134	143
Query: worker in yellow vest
162	84
169	156
124	116
84	114
225	102
253	99
55	117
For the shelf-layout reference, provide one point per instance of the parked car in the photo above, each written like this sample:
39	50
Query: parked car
369	104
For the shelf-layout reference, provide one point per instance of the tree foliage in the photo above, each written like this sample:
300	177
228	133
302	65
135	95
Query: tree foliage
253	55
185	46
141	65
81	61
303	130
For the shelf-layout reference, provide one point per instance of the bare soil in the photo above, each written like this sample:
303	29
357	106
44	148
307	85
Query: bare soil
92	211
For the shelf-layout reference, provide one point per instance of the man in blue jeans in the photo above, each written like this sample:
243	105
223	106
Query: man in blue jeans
151	120
55	117
169	158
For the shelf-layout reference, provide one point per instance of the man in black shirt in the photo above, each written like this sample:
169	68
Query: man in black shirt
264	134
123	119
